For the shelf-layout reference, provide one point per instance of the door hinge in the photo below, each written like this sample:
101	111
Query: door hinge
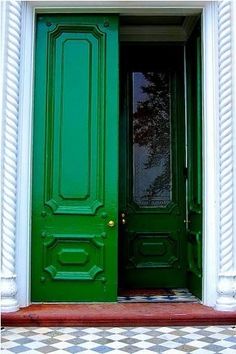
185	172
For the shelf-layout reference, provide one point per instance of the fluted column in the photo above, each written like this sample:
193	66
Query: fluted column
11	66
227	277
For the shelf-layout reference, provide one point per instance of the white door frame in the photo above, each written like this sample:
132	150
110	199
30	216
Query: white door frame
218	275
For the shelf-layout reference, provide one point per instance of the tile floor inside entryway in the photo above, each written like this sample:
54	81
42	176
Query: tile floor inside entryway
139	340
156	296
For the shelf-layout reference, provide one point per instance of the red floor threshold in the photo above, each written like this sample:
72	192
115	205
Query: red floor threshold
136	314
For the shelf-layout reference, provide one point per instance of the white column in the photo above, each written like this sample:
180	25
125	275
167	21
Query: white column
226	289
10	65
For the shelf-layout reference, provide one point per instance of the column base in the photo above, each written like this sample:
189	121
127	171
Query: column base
8	293
9	305
226	300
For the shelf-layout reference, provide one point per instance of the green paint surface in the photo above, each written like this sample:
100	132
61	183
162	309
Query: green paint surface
75	174
153	242
194	152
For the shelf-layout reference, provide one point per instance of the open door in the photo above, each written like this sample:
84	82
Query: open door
194	157
75	175
153	244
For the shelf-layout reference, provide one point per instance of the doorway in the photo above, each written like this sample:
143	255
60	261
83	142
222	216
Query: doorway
160	166
75	216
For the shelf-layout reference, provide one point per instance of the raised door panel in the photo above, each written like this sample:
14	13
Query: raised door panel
75	117
75	177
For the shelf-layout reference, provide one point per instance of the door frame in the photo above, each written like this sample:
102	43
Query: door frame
211	225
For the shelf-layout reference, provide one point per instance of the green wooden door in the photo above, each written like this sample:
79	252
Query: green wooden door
194	152
153	247
75	174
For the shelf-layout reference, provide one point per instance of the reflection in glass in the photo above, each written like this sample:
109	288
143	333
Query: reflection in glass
152	182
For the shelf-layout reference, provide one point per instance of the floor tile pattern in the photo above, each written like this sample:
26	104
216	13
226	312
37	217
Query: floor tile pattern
175	295
138	340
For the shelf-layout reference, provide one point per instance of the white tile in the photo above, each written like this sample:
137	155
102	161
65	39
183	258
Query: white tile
35	345
166	329
198	344
91	330
68	330
116	330
168	336
142	336
141	329
10	344
89	345
228	351
189	329
218	336
39	337
61	345
116	336
17	330
193	336
147	351
90	337
42	330
215	329
116	345
143	345
117	352
64	337
173	351
202	351
13	336
169	344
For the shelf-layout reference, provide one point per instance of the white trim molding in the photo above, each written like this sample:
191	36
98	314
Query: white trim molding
219	246
10	107
227	275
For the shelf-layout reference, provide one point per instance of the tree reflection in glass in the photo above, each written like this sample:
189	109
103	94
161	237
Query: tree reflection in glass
152	182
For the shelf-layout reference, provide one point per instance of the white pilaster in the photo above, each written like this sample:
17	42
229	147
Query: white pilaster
10	64
226	289
220	250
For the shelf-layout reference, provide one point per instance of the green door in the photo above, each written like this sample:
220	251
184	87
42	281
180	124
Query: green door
153	239
194	153
75	159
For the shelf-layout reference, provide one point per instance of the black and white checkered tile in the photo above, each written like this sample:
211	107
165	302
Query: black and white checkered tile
139	340
178	295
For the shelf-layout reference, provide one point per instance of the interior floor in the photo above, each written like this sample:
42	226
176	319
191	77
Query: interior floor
156	295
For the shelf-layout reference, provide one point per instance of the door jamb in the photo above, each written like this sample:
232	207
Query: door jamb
210	127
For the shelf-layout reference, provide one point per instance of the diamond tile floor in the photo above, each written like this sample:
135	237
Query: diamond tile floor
177	295
139	340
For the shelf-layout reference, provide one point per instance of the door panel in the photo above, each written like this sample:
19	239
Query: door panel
194	152
75	175
152	185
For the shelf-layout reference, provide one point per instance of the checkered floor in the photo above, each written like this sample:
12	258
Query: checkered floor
176	295
139	340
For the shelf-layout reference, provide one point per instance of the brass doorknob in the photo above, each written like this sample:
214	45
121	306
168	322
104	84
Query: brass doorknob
111	223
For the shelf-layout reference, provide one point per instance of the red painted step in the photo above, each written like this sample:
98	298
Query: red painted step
109	314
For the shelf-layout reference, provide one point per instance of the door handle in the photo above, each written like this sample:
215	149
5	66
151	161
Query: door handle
111	223
123	220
